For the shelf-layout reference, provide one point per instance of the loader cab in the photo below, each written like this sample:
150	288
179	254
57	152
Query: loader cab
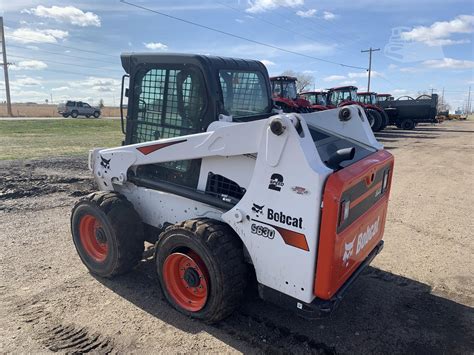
173	95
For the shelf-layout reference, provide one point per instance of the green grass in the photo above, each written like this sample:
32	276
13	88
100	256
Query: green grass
30	139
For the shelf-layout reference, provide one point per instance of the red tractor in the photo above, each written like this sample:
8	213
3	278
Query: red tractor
369	100
347	95
285	95
318	99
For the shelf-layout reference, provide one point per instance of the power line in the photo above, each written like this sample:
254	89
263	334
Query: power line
62	63
239	37
62	45
270	23
63	54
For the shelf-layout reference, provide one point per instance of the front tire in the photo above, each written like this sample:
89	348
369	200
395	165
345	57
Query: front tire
407	124
96	114
107	233
201	268
65	115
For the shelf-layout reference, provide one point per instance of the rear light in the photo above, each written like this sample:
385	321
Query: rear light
385	180
345	208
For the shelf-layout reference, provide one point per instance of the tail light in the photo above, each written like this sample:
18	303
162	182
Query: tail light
345	208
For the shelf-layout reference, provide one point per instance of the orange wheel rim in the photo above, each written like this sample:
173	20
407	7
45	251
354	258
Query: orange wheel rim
186	280
93	238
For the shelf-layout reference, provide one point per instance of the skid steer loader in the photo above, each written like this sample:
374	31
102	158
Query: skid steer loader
224	187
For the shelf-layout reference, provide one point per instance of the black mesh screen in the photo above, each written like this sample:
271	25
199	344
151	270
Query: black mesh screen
244	93
222	187
170	104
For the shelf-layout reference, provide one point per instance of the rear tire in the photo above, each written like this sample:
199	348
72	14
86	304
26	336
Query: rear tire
385	119
74	114
407	124
377	119
107	233
201	268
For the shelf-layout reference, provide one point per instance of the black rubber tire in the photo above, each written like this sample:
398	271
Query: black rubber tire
385	119
122	227
88	116
221	251
407	124
377	120
96	114
65	115
74	114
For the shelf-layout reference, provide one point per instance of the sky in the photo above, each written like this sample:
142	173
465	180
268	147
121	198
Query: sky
62	50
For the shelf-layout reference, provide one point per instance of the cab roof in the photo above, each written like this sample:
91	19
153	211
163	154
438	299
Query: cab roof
349	87
213	62
313	92
384	94
365	93
283	77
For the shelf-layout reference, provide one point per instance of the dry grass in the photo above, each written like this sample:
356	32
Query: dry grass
29	139
40	110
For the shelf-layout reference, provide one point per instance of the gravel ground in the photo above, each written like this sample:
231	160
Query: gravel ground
417	296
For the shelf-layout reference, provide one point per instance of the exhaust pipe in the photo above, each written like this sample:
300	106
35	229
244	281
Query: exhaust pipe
339	156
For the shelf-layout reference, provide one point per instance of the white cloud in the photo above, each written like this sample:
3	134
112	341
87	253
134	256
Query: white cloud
61	88
392	66
399	92
156	46
265	5
308	13
409	70
27	81
238	20
97	83
348	82
373	74
29	65
30	35
267	63
329	16
439	33
67	14
334	78
449	63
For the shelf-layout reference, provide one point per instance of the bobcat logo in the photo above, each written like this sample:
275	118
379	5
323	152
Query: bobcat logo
105	163
257	208
348	250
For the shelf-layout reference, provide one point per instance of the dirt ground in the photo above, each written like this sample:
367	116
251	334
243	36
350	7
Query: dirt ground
417	296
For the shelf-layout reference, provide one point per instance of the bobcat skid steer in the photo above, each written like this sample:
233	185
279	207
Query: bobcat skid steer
224	187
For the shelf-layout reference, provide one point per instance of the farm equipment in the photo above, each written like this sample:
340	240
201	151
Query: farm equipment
286	97
383	97
369	100
224	187
347	95
406	112
318	99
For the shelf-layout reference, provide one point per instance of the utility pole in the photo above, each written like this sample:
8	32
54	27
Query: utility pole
468	106
370	50
5	70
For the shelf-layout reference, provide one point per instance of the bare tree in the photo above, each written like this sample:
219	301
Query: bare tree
304	81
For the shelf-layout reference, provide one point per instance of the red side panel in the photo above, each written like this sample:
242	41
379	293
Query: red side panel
345	242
